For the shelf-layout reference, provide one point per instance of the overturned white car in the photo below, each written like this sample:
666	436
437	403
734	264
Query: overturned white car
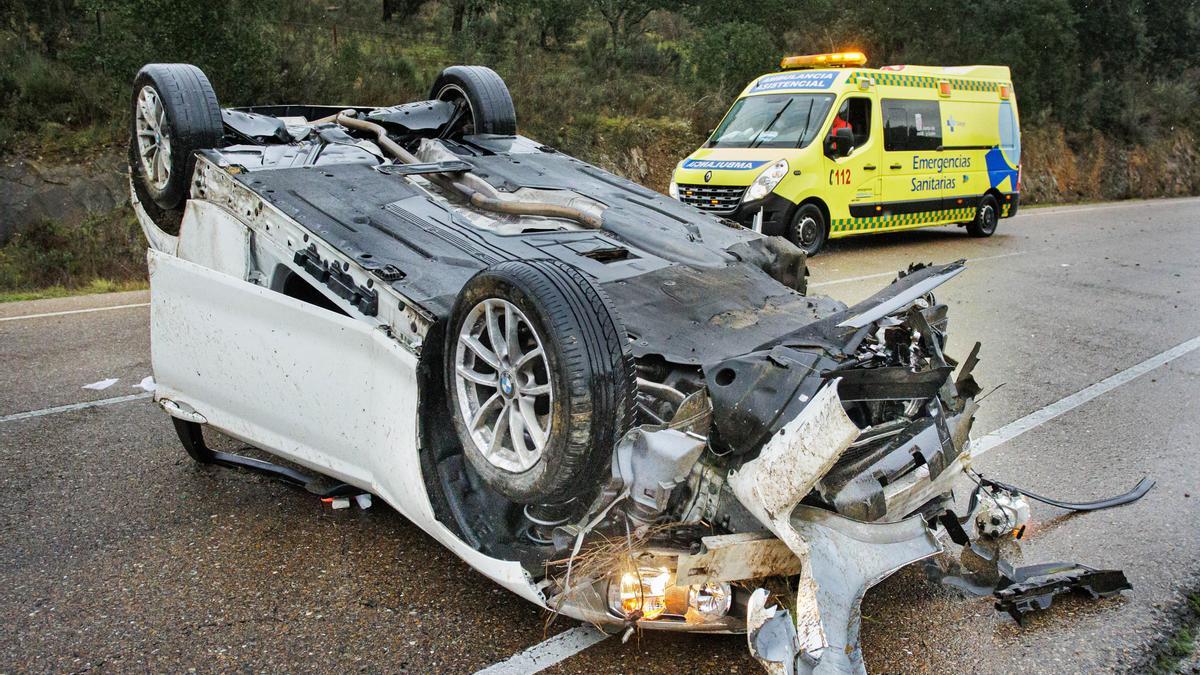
617	406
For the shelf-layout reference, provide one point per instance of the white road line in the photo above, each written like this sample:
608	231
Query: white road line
883	275
1039	417
545	654
75	406
73	311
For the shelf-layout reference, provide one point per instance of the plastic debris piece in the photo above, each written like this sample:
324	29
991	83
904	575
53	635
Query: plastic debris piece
363	501
1025	590
339	502
147	384
102	384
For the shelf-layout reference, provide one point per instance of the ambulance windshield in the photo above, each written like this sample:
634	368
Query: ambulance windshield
772	121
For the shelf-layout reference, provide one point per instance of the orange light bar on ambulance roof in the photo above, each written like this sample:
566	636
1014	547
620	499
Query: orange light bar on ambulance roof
837	60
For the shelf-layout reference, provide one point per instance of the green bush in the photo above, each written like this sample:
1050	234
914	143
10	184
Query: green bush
36	91
51	253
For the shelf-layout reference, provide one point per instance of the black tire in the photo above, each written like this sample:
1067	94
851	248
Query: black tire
191	120
987	215
808	229
488	105
589	368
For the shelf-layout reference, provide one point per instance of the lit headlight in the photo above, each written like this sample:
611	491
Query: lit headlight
673	189
651	591
766	181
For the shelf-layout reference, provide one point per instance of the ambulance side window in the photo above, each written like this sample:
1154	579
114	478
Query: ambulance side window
911	125
855	113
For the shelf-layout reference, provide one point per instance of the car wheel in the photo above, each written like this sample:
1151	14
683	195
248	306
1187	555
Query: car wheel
481	99
809	229
986	218
174	113
540	380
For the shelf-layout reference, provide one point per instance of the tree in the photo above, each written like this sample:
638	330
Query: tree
624	18
555	20
401	8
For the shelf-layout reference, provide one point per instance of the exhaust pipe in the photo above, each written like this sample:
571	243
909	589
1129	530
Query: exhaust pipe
474	189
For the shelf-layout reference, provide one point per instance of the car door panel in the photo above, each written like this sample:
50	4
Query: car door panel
301	382
319	388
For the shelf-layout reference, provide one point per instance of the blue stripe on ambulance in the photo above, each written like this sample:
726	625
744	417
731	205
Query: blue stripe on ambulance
722	164
999	169
797	79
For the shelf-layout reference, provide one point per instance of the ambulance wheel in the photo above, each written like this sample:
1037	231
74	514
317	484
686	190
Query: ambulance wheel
986	218
809	229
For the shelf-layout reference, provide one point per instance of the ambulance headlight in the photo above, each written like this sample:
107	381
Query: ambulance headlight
766	181
673	189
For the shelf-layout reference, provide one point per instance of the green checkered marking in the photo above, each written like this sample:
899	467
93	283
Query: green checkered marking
903	80
875	223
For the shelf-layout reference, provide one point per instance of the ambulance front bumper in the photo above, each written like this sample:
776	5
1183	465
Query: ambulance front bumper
776	213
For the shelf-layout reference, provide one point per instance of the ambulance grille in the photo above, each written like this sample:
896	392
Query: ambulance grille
715	198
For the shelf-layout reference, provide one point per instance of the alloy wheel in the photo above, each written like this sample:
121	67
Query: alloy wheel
502	378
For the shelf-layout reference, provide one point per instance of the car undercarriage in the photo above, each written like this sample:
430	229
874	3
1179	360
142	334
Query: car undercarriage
621	407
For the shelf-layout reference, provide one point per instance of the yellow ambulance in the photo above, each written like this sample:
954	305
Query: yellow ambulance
827	148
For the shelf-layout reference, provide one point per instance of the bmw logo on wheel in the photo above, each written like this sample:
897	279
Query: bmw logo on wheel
707	176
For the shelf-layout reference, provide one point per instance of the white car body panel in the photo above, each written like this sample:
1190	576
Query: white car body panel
212	237
317	388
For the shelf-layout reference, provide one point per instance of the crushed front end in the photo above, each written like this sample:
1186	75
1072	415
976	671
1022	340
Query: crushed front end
797	474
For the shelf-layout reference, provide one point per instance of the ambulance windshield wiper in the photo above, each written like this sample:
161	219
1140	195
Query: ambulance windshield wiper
800	142
754	143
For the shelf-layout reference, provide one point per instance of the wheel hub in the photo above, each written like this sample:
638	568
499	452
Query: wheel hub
507	385
502	383
152	138
808	231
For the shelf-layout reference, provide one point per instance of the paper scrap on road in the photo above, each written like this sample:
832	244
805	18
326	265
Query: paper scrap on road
102	384
147	384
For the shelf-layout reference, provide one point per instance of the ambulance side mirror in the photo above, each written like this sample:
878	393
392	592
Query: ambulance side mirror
840	143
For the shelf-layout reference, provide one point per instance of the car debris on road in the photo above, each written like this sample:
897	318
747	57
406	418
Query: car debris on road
1028	589
619	407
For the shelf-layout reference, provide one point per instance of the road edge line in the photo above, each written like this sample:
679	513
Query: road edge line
1064	405
548	652
72	311
74	406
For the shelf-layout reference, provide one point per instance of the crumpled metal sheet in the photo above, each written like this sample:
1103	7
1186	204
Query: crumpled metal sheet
841	558
793	460
844	558
737	557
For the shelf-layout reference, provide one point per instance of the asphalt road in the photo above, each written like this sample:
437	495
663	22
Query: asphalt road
119	554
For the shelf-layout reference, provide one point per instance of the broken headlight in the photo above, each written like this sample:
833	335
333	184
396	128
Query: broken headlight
650	593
